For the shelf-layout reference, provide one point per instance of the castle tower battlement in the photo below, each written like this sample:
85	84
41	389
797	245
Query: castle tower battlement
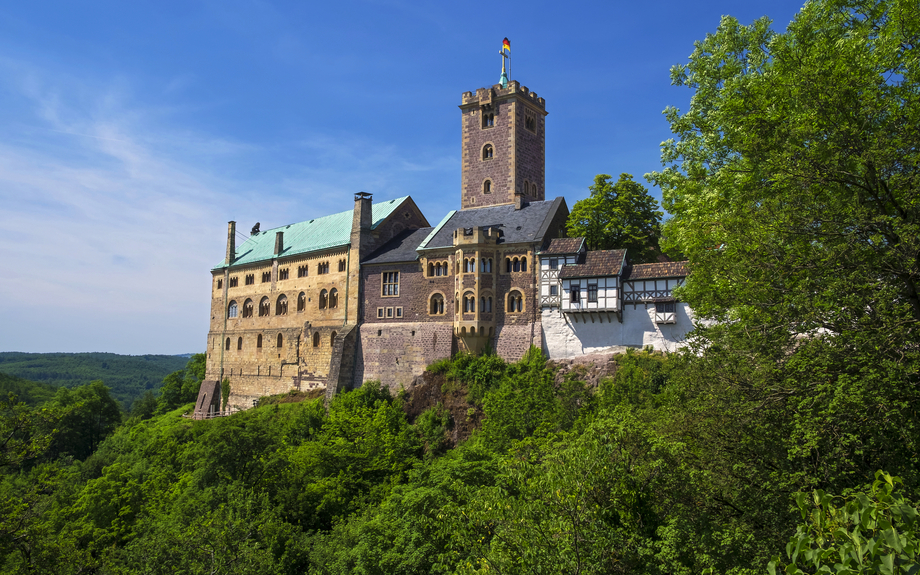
503	146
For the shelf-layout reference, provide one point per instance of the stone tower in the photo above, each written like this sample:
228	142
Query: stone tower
504	146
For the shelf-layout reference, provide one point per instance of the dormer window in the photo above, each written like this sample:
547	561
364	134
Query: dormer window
487	152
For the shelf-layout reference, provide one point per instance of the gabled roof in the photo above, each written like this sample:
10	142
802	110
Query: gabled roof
402	248
561	246
655	270
309	236
527	225
597	264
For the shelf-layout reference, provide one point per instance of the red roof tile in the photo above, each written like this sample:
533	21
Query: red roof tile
564	246
656	270
597	264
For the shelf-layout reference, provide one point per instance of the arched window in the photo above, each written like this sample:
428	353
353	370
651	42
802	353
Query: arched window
523	264
488	120
332	340
315	339
333	298
301	302
485	304
264	307
469	303
323	299
341	265
232	309
487	187
437	304
247	308
457	301
280	341
516	264
281	305
431	269
486	265
239	344
515	302
487	152
227	345
259	341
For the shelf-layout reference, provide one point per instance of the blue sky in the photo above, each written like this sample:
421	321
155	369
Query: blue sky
133	131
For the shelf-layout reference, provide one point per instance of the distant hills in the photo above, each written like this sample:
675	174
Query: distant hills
128	376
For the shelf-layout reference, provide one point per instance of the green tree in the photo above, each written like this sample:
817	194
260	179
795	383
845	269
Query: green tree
619	215
181	387
94	414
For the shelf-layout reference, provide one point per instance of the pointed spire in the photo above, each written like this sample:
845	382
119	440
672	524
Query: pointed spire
504	79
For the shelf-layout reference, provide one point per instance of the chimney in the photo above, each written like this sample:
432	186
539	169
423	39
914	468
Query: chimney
362	218
231	243
279	242
518	201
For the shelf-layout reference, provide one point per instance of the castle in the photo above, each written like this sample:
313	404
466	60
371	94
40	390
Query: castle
377	292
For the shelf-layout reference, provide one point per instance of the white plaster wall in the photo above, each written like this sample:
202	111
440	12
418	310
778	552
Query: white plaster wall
564	338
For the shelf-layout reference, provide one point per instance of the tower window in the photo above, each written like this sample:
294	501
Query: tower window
487	152
487	187
530	121
488	120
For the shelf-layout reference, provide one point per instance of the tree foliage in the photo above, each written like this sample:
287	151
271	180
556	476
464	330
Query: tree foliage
618	215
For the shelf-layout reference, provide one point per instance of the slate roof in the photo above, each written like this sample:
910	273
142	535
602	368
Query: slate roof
529	224
564	246
309	236
402	248
597	264
656	270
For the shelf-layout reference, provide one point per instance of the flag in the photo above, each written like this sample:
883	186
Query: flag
506	44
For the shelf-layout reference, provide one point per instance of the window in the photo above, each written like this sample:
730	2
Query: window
281	305
469	303
332	339
486	265
266	277
390	284
239	344
283	274
399	312
469	265
323	299
333	298
259	341
488	120
575	293
227	345
554	290
523	264
264	307
665	312
315	339
389	312
248	308
516	265
322	268
301	302
232	309
437	304
515	302
487	152
530	121
553	263
280	341
485	304
234	281
250	279
341	265
592	292
379	312
487	187
220	283
302	271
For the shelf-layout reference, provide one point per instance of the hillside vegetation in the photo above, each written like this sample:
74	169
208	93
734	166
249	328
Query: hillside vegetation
128	376
656	471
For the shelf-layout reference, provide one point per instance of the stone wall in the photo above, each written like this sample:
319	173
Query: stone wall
566	338
397	352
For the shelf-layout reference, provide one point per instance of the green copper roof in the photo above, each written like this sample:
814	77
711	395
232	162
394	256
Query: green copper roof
309	236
